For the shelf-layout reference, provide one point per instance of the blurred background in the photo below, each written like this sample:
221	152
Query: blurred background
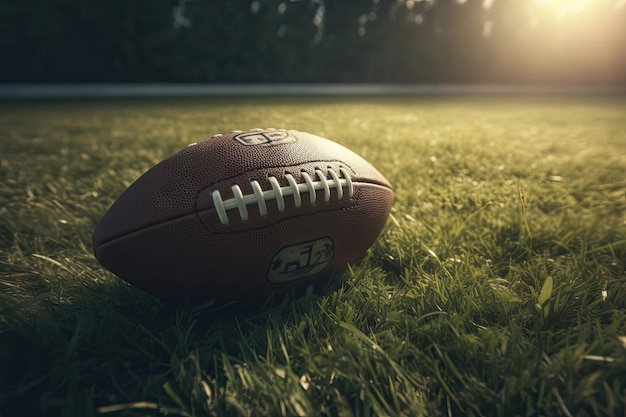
300	41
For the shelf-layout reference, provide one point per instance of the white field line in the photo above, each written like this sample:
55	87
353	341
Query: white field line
52	91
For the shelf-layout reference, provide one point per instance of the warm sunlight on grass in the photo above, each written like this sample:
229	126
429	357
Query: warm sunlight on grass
470	303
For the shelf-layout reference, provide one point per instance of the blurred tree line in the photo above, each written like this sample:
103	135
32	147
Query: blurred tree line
310	41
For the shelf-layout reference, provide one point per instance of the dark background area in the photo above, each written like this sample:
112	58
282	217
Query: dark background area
371	41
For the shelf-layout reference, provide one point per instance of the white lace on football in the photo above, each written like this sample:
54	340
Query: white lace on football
277	192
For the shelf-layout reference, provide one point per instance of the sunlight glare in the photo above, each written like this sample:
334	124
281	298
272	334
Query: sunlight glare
568	40
487	4
564	8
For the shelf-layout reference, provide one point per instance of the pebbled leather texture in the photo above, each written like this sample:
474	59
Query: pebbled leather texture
163	233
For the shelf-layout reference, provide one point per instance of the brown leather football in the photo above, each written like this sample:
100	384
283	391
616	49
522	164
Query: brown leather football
243	215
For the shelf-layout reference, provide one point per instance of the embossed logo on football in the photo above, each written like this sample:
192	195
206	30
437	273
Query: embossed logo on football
267	137
301	260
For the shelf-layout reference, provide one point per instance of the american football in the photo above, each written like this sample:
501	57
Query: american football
244	215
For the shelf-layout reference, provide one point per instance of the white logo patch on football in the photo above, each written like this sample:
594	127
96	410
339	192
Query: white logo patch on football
265	137
301	260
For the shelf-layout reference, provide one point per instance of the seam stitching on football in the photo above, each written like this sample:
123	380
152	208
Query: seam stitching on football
240	202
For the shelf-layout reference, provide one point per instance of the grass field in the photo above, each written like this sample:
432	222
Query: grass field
497	287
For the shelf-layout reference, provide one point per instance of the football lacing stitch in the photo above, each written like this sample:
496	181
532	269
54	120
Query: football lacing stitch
277	192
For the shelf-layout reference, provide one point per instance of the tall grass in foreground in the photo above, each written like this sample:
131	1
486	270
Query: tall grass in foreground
497	287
